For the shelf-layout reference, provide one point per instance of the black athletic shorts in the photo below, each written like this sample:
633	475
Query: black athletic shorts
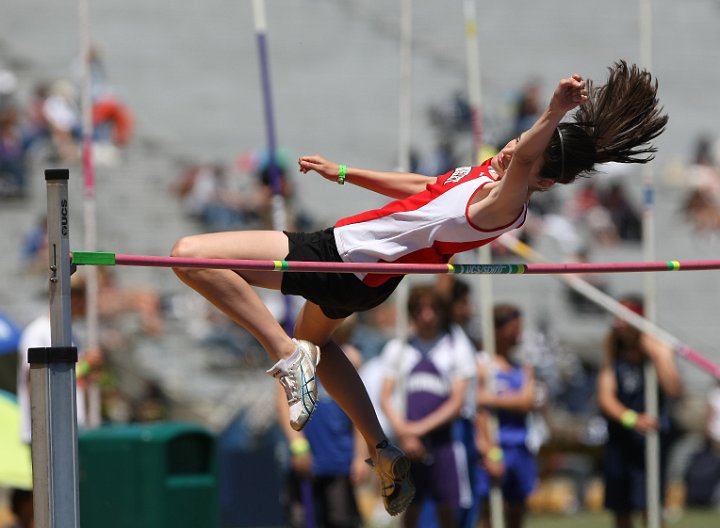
338	294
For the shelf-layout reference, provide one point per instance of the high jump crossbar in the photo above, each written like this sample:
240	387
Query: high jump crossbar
104	258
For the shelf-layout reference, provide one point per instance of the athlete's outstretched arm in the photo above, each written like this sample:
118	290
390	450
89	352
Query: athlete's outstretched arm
506	200
569	93
393	184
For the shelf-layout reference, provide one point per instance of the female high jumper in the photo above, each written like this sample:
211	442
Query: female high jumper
429	221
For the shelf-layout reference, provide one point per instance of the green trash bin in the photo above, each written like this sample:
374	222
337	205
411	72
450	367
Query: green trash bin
148	476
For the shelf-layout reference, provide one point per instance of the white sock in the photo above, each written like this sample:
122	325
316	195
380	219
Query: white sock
293	357
283	363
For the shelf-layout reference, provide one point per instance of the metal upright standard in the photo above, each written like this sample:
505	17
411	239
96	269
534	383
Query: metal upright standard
52	378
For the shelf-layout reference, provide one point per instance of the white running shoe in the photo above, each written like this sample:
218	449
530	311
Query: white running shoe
300	382
396	486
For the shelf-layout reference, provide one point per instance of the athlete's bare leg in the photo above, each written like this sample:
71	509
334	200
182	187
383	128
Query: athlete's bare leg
231	291
338	375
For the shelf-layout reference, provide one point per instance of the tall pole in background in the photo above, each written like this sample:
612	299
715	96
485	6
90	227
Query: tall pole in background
404	141
279	209
278	202
652	442
92	317
472	54
406	92
497	517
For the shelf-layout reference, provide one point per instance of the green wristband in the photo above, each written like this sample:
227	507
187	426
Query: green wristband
342	172
629	419
495	454
300	446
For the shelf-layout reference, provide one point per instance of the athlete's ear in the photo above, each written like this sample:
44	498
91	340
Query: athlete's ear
545	183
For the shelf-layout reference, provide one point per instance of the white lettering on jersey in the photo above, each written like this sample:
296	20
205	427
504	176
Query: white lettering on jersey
426	382
458	174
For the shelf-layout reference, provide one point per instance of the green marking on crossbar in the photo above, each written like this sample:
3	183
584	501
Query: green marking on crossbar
93	258
281	265
491	269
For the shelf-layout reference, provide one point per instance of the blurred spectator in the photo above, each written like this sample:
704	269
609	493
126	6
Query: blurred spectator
704	171
607	212
528	107
702	477
557	227
205	193
327	461
215	195
13	154
431	371
450	119
8	88
451	115
525	105
34	122
374	328
712	426
702	202
115	300
623	213
34	256
702	211
462	311
271	181
506	458
54	114
621	387
61	115
587	209
112	120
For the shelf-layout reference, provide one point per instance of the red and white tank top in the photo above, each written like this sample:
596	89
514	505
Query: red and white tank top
428	227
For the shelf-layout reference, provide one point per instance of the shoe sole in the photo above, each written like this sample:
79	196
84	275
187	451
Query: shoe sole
401	467
400	470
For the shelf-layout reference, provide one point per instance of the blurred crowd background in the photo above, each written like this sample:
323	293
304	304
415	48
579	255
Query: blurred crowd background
179	147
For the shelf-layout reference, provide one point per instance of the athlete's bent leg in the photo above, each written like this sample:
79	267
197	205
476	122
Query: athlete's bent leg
231	291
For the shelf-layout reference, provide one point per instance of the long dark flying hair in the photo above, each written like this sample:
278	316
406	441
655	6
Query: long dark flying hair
617	123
